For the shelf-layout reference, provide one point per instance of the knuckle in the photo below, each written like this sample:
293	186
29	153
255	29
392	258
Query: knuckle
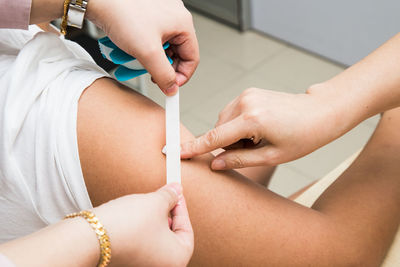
167	195
252	117
246	98
170	80
187	16
272	158
212	138
191	146
249	91
236	162
149	51
220	116
242	103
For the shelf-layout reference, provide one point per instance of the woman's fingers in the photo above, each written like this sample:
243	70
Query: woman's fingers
157	64
170	195
174	203
181	225
186	57
221	136
242	158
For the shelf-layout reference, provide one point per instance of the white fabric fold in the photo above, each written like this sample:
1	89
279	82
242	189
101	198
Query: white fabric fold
41	80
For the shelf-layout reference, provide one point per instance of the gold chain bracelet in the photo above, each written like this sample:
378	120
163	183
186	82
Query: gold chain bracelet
64	22
104	240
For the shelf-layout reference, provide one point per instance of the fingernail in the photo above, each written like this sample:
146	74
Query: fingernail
177	188
171	90
164	150
183	151
180	201
218	164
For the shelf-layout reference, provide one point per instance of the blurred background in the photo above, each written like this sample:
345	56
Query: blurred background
283	45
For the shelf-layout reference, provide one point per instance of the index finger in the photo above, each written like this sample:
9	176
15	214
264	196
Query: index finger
219	137
156	62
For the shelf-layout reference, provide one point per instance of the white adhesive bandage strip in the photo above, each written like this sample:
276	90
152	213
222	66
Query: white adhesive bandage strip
173	139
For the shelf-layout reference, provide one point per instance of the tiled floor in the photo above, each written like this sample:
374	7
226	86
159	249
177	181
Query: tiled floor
231	62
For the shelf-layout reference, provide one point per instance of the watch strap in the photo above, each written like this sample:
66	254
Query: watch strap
76	13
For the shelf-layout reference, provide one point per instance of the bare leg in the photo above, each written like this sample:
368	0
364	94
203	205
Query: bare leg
236	221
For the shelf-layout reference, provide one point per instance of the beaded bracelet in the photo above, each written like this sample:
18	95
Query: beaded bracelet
104	240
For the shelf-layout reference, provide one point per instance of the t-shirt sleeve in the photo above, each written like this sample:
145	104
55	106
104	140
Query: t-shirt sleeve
5	262
15	14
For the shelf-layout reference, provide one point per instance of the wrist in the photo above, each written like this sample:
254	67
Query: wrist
84	245
45	11
341	110
107	219
71	242
99	230
114	221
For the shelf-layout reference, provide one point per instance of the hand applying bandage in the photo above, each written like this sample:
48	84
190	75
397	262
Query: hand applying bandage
143	234
289	126
266	128
140	28
151	229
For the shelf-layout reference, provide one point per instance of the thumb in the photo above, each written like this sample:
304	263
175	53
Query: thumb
241	158
181	225
155	61
170	195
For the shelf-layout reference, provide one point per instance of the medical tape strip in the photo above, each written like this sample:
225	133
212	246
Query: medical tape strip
130	68
173	140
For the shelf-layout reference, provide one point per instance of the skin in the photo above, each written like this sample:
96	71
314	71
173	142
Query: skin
236	221
123	21
136	224
276	121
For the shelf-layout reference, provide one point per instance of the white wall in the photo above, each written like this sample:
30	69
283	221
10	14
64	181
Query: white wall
342	30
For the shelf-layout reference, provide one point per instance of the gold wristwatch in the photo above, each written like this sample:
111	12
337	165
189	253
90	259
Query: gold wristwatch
76	13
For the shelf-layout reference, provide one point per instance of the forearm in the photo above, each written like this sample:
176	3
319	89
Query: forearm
67	243
47	10
365	89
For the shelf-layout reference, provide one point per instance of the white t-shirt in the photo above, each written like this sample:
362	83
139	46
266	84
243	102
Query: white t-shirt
5	262
41	79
